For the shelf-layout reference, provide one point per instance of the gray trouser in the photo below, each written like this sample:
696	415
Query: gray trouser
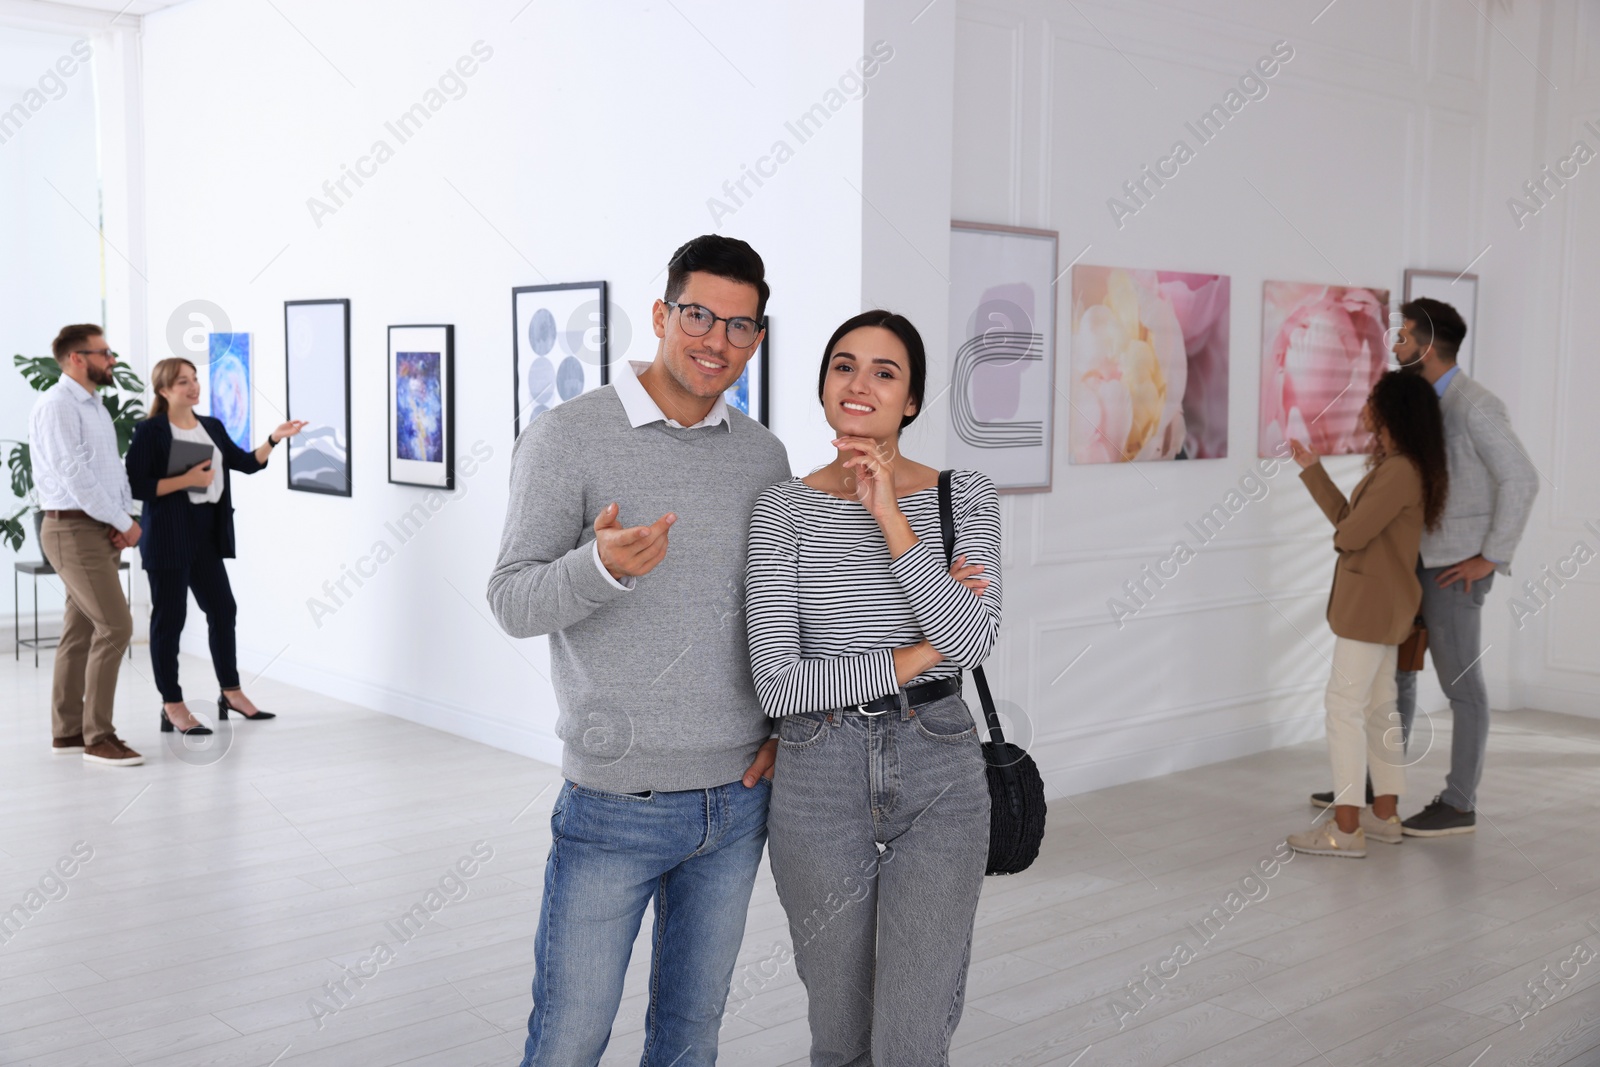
1455	644
883	936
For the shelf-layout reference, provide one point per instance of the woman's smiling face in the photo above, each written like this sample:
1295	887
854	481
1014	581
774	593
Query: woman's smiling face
868	388
185	389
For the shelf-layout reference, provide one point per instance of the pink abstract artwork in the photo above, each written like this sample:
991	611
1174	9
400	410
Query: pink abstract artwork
1322	348
1149	365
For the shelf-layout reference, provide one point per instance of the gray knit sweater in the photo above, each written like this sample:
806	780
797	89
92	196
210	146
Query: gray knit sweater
653	683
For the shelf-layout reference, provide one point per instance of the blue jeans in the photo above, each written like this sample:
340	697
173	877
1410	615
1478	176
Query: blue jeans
694	854
1455	635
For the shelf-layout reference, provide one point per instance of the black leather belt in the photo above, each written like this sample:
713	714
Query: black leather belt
916	696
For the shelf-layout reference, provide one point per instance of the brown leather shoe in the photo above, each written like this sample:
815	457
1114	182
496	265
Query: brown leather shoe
67	746
112	753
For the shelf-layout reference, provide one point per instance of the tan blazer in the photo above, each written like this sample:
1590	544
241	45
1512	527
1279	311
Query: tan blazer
1377	534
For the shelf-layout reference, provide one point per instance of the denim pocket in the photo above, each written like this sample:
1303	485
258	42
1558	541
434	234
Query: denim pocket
602	794
946	720
800	731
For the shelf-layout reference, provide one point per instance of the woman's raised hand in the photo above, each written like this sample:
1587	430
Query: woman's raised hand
968	574
289	429
1303	455
870	474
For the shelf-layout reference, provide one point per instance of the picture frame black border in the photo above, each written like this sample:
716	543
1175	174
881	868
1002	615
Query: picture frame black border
605	341
763	360
449	403
349	456
1454	276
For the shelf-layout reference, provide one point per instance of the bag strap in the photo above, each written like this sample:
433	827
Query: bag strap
947	527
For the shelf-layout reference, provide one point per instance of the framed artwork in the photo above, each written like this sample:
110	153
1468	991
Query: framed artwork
1003	351
317	345
1149	365
749	393
1322	348
559	345
1460	291
230	384
422	395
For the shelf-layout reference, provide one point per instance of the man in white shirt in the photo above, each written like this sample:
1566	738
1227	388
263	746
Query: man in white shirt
87	503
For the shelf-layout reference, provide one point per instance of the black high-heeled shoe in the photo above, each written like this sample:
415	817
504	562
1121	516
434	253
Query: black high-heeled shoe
199	729
223	707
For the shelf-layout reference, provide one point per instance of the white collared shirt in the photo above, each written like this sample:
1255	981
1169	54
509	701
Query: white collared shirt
642	410
76	462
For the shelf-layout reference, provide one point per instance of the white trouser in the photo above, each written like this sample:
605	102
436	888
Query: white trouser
1363	724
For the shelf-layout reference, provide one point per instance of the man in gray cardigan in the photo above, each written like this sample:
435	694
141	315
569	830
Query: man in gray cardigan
1492	486
666	751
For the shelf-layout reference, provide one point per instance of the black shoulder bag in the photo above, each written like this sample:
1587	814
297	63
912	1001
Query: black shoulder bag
1016	791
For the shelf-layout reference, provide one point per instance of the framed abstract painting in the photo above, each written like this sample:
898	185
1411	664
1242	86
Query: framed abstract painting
317	377
559	346
421	406
1149	365
1322	349
1460	291
749	393
230	384
1002	353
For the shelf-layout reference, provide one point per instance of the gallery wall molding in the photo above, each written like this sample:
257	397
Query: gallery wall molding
1434	117
1567	514
38	15
1182	712
1039	628
1015	25
1156	549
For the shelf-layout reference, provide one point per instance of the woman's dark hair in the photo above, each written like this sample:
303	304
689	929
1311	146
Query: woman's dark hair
901	327
1406	405
726	257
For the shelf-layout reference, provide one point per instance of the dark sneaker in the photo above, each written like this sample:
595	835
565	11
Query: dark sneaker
1325	800
67	746
112	753
1439	819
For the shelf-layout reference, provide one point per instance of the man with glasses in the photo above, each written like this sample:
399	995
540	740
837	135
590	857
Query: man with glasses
87	503
666	751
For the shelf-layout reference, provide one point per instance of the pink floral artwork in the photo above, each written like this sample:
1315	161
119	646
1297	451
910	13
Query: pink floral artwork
1149	365
1322	348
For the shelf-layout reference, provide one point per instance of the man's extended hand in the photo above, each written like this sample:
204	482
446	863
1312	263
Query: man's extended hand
766	759
1471	570
628	552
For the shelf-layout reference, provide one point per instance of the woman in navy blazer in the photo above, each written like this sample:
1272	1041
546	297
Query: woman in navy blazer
188	532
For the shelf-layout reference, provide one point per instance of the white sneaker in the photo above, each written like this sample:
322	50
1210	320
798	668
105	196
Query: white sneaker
1386	830
1327	840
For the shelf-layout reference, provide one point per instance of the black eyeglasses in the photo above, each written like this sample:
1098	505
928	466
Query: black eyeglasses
698	321
94	352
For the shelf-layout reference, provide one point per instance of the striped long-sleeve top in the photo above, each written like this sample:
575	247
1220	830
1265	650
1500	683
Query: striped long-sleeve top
826	606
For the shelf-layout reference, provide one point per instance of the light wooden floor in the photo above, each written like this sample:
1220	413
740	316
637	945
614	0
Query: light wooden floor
222	897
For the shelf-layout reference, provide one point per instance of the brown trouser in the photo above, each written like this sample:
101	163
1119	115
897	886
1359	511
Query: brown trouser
96	630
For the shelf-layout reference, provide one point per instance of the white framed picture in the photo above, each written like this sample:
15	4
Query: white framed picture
1003	353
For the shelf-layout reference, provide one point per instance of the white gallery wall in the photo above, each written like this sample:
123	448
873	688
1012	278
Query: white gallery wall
49	246
1389	139
586	144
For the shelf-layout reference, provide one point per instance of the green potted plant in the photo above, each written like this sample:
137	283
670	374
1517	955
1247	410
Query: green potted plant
124	400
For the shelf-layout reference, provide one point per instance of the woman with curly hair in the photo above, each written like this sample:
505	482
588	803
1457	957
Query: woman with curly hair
1377	534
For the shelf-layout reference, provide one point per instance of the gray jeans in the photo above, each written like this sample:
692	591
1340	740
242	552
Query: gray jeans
879	834
1455	644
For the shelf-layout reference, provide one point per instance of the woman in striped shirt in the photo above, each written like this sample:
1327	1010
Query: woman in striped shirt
859	630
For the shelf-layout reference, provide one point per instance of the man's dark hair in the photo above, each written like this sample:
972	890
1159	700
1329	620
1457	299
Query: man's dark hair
726	257
901	327
70	337
1437	324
